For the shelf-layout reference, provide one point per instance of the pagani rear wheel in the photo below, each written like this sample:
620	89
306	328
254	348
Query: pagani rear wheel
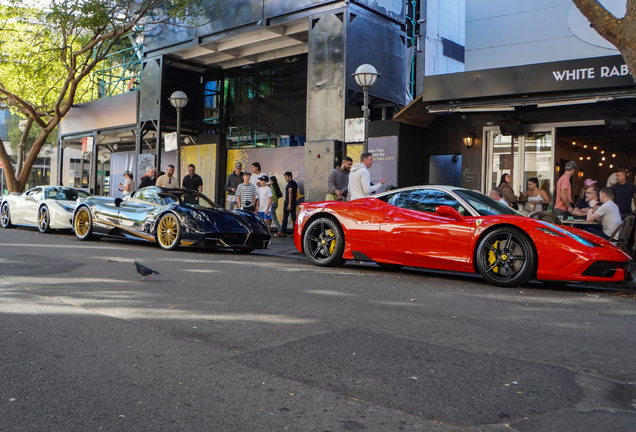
169	232
44	220
5	216
83	224
323	243
506	258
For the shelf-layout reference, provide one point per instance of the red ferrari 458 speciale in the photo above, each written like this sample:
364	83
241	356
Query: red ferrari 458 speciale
449	228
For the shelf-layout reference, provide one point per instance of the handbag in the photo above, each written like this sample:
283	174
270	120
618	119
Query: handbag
249	206
529	207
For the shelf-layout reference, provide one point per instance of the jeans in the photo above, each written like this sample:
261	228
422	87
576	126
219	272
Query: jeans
274	217
286	214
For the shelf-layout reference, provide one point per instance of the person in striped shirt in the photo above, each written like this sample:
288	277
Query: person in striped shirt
246	195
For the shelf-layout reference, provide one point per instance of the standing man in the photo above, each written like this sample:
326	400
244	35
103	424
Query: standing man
256	173
265	201
192	181
624	193
607	213
611	180
149	178
563	205
246	195
338	181
360	179
231	184
166	179
291	191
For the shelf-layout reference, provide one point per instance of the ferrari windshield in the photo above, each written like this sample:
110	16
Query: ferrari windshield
483	204
65	194
189	198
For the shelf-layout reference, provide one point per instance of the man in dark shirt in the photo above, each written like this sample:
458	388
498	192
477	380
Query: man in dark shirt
192	181
291	191
624	194
149	179
231	184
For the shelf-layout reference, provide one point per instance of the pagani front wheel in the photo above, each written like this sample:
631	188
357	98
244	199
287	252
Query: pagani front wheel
506	258
323	243
44	220
83	224
169	232
5	216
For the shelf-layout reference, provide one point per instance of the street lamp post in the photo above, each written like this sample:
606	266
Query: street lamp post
366	75
178	100
22	126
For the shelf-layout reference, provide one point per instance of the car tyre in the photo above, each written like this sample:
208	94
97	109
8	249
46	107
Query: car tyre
324	242
169	232
44	220
507	258
5	216
83	224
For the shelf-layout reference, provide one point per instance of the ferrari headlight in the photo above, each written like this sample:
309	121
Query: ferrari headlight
65	207
548	231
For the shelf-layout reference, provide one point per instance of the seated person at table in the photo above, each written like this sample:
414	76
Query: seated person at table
497	194
534	197
608	213
581	209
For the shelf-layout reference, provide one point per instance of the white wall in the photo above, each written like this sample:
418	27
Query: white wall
501	33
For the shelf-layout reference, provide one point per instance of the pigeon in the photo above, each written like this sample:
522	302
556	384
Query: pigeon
144	271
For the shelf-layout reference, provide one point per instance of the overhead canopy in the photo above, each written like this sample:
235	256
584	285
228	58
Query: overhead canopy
415	114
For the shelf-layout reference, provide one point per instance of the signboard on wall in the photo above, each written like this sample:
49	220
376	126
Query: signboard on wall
354	130
87	144
170	141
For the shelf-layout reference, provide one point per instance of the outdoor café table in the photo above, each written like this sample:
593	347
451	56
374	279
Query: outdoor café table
582	224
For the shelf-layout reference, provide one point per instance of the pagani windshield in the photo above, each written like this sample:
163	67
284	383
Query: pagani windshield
483	204
189	198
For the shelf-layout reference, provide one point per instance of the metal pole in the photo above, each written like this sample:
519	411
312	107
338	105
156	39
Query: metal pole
177	168
365	145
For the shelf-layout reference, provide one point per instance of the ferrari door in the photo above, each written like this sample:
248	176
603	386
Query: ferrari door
26	211
413	230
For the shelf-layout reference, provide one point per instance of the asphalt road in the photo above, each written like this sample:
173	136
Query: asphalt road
267	342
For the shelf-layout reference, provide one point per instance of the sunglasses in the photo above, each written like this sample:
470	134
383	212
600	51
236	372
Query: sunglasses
170	181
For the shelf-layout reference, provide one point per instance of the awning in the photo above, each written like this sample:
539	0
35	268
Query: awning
415	114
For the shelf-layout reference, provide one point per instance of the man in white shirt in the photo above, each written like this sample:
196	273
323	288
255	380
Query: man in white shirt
497	194
608	213
360	179
265	200
256	173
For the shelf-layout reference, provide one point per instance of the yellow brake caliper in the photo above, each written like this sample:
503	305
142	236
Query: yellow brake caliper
492	257
332	244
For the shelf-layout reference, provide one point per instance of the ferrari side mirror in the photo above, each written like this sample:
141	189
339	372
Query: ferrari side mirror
450	212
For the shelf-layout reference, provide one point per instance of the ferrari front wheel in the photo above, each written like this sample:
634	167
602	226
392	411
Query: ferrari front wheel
5	216
83	224
506	258
169	232
44	220
323	243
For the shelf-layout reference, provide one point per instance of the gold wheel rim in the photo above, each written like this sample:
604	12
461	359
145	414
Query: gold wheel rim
82	222
168	231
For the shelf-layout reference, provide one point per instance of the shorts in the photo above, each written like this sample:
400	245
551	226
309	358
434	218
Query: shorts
262	215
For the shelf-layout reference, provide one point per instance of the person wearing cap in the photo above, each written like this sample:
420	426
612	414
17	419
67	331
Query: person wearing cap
246	195
563	205
624	193
265	201
127	187
231	184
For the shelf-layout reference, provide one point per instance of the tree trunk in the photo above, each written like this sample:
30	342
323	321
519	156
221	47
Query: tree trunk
620	32
9	172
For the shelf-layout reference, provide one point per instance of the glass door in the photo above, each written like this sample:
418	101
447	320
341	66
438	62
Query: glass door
522	156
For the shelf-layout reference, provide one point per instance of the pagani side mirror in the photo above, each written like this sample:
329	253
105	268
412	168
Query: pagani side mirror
118	202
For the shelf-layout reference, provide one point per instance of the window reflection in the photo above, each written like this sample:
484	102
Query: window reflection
426	200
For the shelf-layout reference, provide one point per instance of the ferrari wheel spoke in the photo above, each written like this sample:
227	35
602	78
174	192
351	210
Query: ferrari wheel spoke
493	265
491	248
313	239
318	249
517	257
330	239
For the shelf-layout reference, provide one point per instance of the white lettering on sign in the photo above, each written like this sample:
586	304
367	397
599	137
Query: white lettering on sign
590	73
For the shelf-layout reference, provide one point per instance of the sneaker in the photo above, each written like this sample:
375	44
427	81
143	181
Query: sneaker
281	235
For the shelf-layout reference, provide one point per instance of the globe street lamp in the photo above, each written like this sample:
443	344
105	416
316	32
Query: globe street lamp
22	126
366	75
178	100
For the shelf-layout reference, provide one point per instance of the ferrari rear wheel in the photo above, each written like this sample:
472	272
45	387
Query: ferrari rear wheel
5	216
506	258
44	220
169	232
83	224
323	243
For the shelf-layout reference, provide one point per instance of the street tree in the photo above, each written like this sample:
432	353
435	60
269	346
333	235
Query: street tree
620	32
47	56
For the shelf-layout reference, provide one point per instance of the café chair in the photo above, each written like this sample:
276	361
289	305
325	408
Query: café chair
620	236
546	217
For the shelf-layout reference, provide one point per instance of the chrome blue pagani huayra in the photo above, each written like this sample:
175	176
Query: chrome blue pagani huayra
171	218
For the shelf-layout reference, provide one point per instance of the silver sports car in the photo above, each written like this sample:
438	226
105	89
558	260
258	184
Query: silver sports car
44	207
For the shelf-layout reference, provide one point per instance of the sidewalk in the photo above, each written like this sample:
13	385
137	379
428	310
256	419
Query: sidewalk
280	246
